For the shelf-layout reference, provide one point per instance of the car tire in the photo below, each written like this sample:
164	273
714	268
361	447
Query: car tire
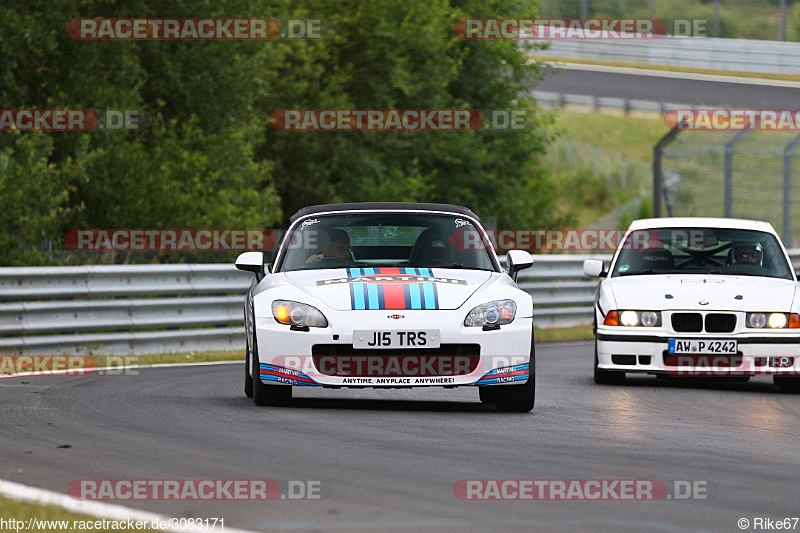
606	377
267	395
488	394
788	385
248	379
518	398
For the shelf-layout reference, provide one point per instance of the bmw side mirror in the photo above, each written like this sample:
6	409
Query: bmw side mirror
252	262
518	260
594	268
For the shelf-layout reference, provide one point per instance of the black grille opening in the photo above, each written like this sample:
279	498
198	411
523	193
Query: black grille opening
720	322
687	322
618	359
644	359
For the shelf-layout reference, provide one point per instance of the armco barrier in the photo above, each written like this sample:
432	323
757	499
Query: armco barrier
742	55
166	308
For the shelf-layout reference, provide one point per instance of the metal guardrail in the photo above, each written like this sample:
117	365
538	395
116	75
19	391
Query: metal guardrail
167	308
627	105
743	55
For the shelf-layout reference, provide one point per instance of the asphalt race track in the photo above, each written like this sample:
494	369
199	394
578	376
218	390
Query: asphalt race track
389	459
672	90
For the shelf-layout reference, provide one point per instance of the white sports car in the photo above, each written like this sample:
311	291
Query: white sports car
698	297
386	295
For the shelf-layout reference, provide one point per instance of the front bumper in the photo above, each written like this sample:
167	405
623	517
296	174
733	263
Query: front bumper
288	357
758	354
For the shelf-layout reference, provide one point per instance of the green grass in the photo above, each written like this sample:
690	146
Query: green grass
13	509
576	333
631	135
668	68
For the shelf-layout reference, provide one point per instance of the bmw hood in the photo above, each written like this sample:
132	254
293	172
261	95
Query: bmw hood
725	293
389	288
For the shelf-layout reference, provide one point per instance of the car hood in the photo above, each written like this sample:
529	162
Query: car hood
389	288
687	291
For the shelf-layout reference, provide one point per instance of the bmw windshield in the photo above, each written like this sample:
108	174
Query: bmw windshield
410	240
702	251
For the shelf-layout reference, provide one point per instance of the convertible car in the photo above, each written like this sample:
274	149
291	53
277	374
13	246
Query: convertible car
387	295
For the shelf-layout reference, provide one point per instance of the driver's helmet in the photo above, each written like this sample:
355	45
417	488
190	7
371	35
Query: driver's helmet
748	254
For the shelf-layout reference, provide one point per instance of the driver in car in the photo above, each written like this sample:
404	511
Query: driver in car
747	254
338	247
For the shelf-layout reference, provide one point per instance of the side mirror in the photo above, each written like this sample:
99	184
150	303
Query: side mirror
518	260
594	268
251	262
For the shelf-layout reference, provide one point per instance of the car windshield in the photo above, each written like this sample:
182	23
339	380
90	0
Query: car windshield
702	251
410	240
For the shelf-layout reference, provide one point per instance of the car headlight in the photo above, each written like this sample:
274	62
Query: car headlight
773	320
647	319
297	314
490	314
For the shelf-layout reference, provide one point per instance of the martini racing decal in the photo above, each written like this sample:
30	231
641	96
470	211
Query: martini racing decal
393	288
505	375
288	376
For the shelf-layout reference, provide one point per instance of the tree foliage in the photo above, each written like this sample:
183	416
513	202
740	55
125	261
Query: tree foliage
210	158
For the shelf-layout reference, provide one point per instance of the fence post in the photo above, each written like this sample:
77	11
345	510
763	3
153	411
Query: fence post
624	172
787	190
658	172
730	147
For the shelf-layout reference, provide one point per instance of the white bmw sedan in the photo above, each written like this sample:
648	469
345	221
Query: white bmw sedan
697	297
386	295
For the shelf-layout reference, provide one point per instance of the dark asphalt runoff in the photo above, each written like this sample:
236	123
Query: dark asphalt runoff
388	460
670	90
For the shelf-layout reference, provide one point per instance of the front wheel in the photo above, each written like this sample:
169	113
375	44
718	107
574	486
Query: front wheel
518	398
488	394
274	395
248	379
788	385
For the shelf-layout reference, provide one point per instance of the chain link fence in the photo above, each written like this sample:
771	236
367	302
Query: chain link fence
746	174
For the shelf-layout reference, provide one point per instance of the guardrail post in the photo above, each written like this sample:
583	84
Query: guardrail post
658	171
730	147
787	190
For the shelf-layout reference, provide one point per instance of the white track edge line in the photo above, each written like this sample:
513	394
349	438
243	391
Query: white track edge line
77	372
25	493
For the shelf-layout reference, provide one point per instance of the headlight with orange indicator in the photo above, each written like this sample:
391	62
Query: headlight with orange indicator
297	314
772	320
492	314
646	319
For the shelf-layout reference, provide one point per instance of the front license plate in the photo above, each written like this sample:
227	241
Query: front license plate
418	338
694	346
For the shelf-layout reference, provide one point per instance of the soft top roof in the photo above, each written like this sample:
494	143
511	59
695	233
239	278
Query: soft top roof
403	206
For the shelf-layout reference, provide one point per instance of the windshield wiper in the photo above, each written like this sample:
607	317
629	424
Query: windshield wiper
638	272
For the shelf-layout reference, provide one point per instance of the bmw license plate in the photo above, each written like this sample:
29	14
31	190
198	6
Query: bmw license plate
705	346
418	338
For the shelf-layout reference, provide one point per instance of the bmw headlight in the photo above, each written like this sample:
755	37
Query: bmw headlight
647	319
297	314
772	320
491	314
